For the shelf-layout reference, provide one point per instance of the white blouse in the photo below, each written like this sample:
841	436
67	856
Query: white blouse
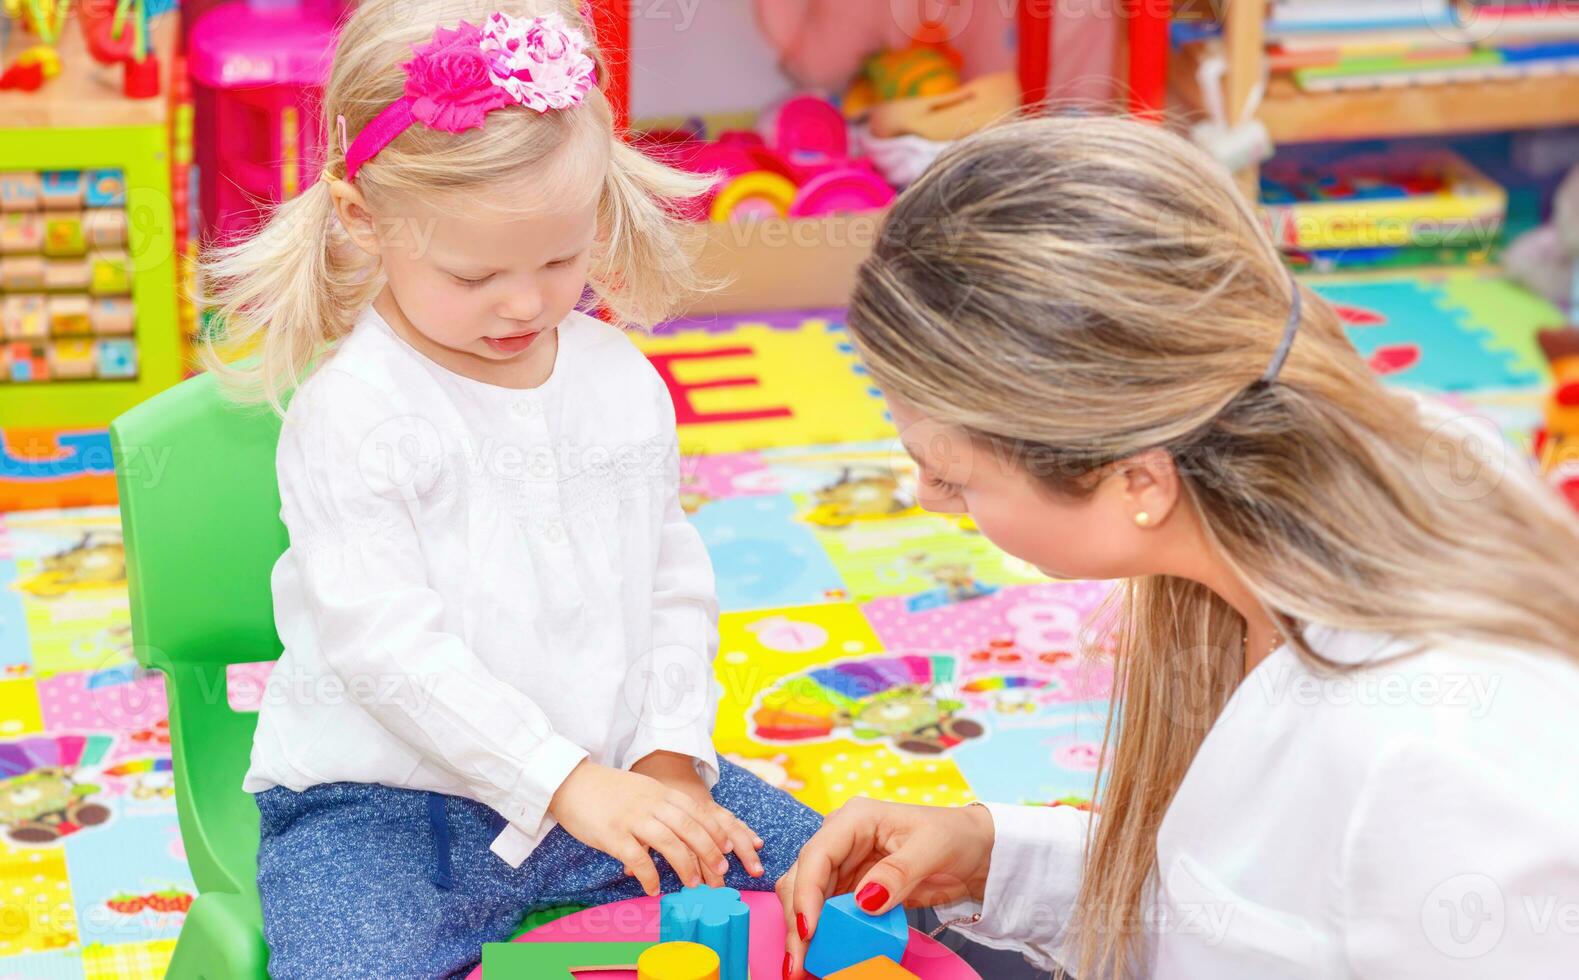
484	585
1414	819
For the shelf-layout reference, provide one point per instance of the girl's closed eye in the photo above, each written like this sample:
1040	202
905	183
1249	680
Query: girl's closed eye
470	283
942	486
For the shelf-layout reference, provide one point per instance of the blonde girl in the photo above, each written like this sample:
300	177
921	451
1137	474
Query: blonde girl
496	688
1343	735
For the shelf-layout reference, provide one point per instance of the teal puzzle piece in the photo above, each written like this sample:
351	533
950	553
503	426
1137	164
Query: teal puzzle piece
715	918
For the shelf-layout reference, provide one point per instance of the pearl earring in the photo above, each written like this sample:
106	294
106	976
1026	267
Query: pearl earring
1143	518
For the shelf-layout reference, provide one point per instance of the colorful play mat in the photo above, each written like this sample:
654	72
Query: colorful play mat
867	647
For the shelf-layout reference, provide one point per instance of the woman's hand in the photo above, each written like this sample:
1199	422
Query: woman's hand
627	815
888	854
678	772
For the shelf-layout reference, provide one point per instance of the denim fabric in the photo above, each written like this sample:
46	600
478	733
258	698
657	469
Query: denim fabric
353	875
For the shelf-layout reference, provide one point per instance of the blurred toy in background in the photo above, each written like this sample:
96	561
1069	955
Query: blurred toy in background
37	64
1557	442
1395	208
1547	259
823	44
905	73
797	163
901	78
117	33
954	115
259	69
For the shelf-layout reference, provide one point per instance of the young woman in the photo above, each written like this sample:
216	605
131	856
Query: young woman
1344	725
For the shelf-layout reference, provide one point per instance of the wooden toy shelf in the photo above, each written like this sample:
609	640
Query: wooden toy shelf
1294	116
81	122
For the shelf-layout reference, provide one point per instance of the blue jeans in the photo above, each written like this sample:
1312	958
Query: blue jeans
360	880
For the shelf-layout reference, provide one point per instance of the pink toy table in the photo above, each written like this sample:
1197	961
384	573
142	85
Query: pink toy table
636	920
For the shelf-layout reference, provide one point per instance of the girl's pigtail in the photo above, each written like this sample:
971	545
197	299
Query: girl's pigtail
646	270
281	297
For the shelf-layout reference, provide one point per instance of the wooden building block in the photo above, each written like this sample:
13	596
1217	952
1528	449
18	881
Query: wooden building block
72	358
117	358
21	274
67	275
64	234
69	316
29	361
20	191
111	275
23	317
112	316
21	233
105	227
64	190
105	189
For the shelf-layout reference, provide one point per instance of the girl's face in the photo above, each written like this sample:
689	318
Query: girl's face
483	287
1093	537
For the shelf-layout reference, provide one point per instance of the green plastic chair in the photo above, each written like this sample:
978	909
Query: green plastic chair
200	507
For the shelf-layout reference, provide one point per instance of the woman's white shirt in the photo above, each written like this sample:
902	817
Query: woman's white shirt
1416	817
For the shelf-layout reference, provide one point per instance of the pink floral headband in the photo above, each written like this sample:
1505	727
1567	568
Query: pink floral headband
462	75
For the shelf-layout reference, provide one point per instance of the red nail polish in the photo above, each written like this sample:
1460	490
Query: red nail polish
800	927
872	897
789	965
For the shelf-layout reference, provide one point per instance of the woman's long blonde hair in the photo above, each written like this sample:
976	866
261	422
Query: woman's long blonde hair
1079	290
286	294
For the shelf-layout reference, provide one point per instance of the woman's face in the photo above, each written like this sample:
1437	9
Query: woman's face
1090	537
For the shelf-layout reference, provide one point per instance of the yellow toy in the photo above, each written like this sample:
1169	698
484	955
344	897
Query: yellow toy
919	70
760	193
952	115
678	961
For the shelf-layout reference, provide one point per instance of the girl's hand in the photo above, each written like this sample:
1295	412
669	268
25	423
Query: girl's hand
627	815
678	772
888	854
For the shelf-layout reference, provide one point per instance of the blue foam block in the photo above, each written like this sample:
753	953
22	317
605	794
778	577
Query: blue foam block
715	918
846	936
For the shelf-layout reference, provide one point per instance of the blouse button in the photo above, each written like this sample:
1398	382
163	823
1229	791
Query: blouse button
523	409
555	531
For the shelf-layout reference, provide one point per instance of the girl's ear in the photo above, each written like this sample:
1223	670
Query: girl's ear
1150	486
355	216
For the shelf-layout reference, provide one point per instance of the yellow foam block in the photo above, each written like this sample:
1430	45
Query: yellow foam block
678	961
755	386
